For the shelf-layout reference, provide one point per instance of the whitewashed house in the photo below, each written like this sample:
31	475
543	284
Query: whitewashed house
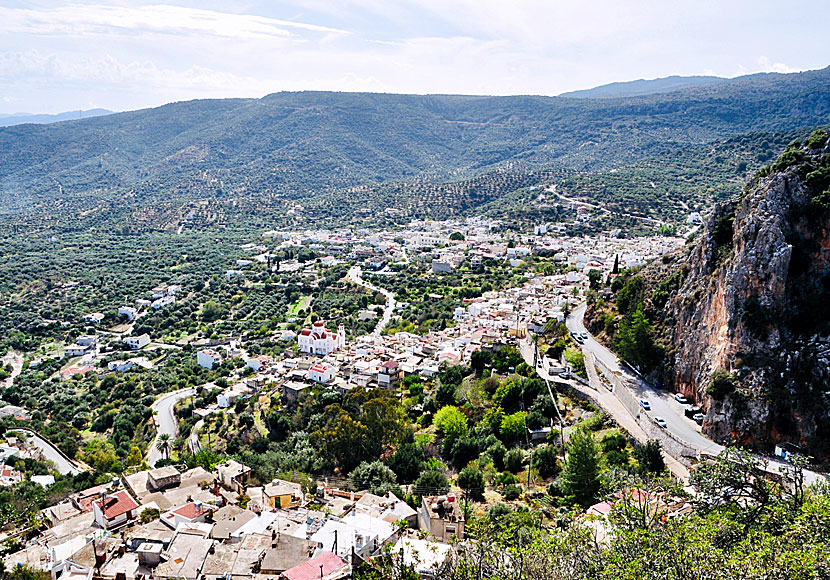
208	358
137	342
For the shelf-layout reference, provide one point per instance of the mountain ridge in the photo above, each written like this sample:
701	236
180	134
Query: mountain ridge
9	120
297	144
642	87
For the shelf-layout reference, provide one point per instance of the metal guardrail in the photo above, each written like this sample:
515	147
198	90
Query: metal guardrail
675	446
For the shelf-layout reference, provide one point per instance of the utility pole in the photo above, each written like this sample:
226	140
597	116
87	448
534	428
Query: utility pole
559	415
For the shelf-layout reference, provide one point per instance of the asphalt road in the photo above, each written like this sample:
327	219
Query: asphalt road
50	452
389	309
165	420
662	403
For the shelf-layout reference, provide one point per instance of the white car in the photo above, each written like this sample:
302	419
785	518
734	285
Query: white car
645	405
680	399
660	422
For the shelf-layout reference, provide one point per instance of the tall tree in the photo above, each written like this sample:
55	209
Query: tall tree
471	481
581	476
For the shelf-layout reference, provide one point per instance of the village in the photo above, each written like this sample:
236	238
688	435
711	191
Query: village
167	523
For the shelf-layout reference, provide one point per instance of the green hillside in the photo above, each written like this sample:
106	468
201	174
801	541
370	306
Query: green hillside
302	145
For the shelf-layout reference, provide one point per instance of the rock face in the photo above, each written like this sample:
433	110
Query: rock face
754	309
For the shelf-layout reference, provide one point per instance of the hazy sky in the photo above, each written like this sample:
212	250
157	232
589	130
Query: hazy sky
57	56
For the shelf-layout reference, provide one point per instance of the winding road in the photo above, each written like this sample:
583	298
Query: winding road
166	420
63	464
355	276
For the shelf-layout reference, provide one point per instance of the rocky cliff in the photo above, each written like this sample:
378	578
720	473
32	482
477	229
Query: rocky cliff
746	332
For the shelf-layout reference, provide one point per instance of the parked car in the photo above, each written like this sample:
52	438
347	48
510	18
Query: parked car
690	412
583	335
660	422
680	399
699	417
645	405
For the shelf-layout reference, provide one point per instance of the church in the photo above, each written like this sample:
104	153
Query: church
320	340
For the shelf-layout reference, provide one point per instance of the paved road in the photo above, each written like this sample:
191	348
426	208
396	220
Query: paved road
62	463
165	420
355	276
662	403
552	189
611	405
194	443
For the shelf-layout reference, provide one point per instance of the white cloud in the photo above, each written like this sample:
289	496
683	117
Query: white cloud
93	19
768	66
57	56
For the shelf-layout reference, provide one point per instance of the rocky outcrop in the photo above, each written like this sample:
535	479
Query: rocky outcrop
754	309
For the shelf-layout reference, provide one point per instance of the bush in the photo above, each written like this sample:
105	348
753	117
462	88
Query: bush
511	492
498	511
613	441
722	385
472	482
512	427
554	488
617	458
149	514
817	139
431	482
546	461
650	457
374	476
514	460
506	478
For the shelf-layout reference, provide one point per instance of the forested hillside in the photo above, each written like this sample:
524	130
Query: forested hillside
300	145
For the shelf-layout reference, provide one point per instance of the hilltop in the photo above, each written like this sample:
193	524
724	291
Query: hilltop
642	87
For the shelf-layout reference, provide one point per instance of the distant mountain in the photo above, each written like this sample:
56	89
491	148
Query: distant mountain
643	87
7	120
300	146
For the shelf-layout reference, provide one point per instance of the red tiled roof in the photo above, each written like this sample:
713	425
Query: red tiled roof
305	332
77	370
191	511
310	570
116	504
603	507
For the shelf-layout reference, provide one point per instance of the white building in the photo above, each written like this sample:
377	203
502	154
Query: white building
321	373
208	358
137	342
166	290
120	366
259	363
87	340
114	510
163	301
321	340
129	312
94	318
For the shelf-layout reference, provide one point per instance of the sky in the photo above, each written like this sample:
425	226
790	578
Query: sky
60	56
